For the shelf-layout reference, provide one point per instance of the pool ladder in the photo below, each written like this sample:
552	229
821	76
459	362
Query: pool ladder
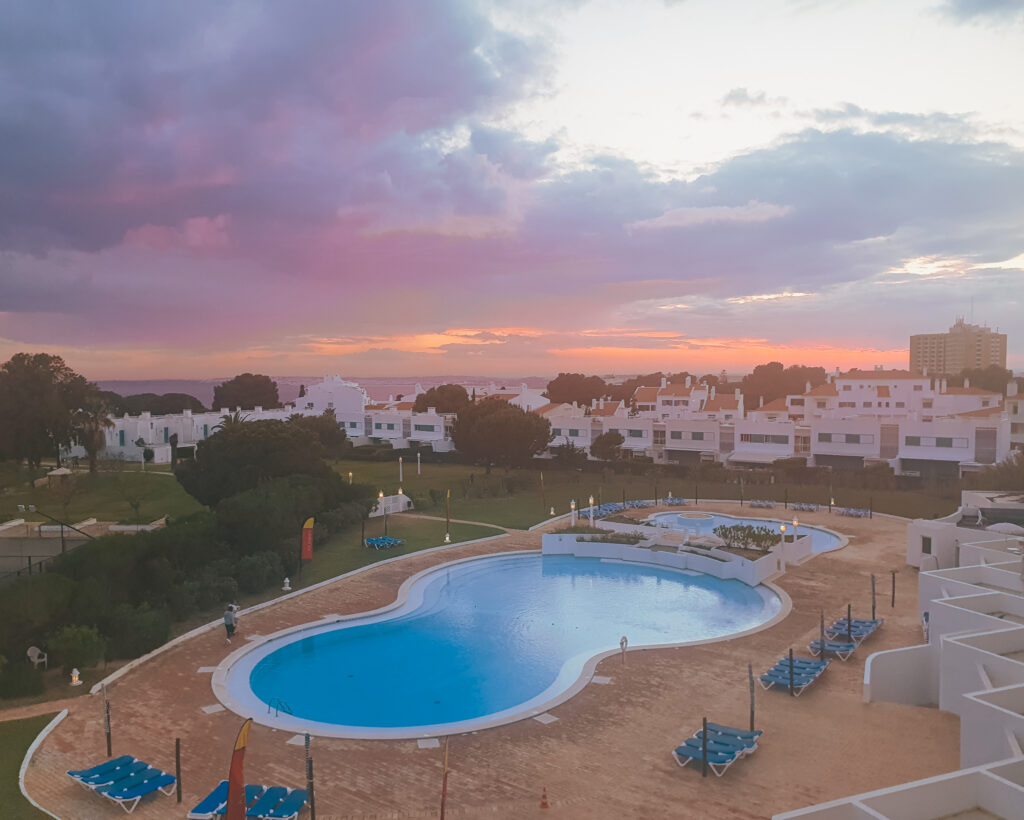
278	705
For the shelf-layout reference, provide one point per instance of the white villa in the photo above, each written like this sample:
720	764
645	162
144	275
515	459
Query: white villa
971	663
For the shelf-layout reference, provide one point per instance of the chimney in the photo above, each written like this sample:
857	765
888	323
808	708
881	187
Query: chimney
688	381
593	403
828	378
601	404
432	411
761	402
259	409
736	394
712	391
967	382
664	382
942	386
807	387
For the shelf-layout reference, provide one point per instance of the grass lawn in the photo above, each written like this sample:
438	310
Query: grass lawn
15	738
345	552
477	496
15	475
104	496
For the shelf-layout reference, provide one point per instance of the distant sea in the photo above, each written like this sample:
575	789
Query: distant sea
379	388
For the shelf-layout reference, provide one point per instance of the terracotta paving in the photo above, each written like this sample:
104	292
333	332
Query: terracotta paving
607	755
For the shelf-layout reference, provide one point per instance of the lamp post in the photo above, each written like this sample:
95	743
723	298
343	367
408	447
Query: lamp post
591	512
417	462
572	511
782	530
349	476
399	469
796	524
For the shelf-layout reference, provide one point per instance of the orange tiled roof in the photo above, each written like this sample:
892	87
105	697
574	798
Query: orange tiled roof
826	389
772	406
547	408
982	413
724	403
609	409
646	395
674	390
403	405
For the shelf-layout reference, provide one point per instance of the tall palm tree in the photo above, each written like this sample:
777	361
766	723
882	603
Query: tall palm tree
89	424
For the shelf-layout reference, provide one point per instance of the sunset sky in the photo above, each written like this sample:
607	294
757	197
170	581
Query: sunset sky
428	187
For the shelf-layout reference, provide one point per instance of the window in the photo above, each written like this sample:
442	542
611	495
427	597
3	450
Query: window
330	405
847	404
943	442
852	438
377	426
120	436
352	425
613	430
167	437
556	431
676	435
912	441
901	404
698	436
847	387
424	428
867	404
821	405
206	432
659	436
309	405
824	437
574	431
927	403
918	388
763	438
796	402
636	433
391	427
926	544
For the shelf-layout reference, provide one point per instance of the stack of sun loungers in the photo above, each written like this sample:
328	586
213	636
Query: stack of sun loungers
674	502
841	649
805	671
854	512
725	745
124	780
856	631
762	503
273	803
382	542
806	507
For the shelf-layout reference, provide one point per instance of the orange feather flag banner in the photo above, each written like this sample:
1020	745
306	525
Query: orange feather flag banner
236	776
307	540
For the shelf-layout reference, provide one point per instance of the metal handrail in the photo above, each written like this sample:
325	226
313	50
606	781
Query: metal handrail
279	705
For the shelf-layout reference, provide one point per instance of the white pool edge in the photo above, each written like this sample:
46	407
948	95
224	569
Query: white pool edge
221	690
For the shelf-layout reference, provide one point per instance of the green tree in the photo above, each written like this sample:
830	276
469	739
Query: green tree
89	424
568	456
243	456
326	429
446	398
162	404
773	381
606	446
566	388
38	394
495	431
993	377
248	391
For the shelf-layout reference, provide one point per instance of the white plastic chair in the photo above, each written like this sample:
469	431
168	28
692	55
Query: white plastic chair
37	656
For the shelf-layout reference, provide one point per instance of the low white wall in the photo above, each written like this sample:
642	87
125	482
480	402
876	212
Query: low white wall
904	675
990	722
749	572
975	663
391	504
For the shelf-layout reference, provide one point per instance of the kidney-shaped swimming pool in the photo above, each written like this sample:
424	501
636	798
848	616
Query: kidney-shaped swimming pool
480	642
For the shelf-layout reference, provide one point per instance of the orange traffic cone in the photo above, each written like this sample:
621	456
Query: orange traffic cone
544	798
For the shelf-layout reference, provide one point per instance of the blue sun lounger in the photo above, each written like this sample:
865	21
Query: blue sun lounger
124	780
841	649
290	807
101	768
208	806
105	773
128	797
858	630
718	762
725	741
805	672
743	734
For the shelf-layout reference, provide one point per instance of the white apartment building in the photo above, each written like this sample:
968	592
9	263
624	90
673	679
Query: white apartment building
970	663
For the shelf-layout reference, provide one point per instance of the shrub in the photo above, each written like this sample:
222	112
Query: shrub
256	572
134	631
19	680
79	646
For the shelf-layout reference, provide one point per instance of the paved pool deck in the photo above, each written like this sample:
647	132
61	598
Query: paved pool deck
608	753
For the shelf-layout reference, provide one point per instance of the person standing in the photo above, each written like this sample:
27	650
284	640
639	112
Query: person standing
230	620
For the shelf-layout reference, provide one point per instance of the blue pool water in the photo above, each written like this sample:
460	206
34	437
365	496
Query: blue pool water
821	540
487	638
